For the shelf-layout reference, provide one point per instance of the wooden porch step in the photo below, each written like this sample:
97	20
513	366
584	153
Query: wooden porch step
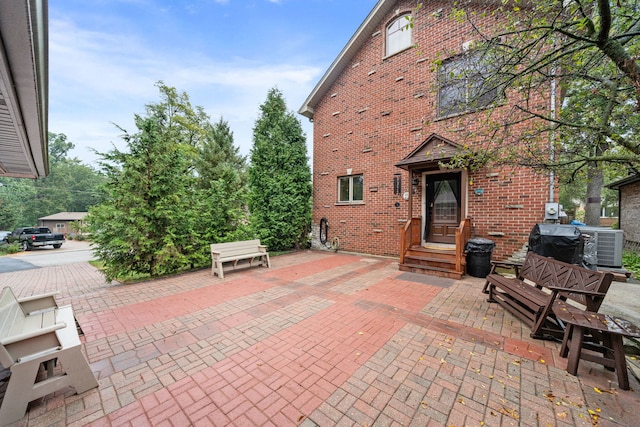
435	263
418	251
428	258
430	270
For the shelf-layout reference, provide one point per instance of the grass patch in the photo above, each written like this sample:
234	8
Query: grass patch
6	249
631	261
97	264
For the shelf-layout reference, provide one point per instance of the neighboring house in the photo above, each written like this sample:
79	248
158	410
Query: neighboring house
629	209
384	117
24	88
62	221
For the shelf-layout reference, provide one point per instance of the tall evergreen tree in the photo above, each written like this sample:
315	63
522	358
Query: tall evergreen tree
222	179
279	177
218	153
148	226
166	203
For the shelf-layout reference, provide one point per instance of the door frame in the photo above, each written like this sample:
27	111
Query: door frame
464	188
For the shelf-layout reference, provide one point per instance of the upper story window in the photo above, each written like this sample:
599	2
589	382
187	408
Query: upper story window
398	35
464	84
350	189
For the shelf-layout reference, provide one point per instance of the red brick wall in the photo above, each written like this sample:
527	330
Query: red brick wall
376	113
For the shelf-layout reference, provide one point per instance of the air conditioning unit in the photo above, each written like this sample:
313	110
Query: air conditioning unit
609	243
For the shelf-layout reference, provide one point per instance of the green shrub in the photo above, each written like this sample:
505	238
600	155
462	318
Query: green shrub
631	261
11	248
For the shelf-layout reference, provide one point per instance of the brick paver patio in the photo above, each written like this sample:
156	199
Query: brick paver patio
320	339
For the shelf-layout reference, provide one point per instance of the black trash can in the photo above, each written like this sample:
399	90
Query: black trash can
479	256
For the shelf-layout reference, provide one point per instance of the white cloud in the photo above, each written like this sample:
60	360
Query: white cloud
99	78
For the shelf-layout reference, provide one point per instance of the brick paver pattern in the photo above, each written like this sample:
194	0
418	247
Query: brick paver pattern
321	339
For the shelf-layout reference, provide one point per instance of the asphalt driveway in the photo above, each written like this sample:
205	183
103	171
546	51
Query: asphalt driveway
8	264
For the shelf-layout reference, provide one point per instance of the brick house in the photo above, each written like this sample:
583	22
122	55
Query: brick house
629	209
384	119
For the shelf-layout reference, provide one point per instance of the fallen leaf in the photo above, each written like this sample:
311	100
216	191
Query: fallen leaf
510	412
597	390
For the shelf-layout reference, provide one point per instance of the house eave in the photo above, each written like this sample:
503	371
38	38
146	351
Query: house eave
363	32
624	181
24	88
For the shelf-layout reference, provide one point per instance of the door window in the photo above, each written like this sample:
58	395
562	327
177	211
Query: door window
445	205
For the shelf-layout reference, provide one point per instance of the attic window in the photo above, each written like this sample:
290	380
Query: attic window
398	34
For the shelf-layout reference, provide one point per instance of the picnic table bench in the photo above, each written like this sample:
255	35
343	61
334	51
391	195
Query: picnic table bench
604	345
35	332
540	283
236	251
511	265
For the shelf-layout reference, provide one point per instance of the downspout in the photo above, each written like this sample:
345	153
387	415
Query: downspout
552	137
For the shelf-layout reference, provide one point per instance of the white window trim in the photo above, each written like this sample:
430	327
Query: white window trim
350	201
400	18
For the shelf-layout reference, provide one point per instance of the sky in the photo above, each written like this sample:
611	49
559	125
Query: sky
105	57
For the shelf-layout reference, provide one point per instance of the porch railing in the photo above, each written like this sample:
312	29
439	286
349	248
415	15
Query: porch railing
463	233
410	236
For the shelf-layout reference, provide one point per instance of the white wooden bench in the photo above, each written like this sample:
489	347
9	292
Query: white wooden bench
236	251
36	332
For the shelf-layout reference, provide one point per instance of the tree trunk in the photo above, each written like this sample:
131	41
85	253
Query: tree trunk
593	202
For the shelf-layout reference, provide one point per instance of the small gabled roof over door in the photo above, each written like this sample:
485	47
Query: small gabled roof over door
427	155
